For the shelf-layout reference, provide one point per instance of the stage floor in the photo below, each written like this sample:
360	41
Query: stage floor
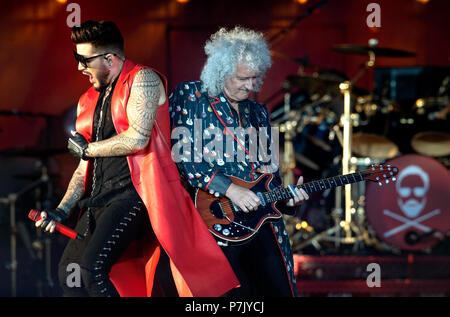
410	275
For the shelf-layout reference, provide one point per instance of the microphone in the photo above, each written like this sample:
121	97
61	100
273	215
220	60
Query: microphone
35	215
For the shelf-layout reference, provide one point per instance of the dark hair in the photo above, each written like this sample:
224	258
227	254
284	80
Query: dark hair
103	34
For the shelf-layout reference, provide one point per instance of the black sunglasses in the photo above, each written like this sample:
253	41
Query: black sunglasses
85	60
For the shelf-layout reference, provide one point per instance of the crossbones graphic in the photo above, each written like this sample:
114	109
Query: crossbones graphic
409	223
414	203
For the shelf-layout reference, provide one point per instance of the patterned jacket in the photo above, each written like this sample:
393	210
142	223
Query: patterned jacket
224	147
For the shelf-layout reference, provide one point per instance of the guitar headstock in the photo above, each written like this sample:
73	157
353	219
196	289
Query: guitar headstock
380	174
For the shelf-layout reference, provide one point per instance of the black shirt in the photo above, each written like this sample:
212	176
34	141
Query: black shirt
111	178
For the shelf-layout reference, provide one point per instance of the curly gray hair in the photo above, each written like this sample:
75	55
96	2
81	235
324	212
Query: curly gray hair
226	49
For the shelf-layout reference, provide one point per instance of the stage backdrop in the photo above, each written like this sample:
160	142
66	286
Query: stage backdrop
40	83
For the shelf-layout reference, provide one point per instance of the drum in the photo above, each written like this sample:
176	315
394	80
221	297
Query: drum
372	122
431	143
433	136
411	213
373	146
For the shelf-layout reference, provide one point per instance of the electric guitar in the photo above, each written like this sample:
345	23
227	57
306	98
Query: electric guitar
229	223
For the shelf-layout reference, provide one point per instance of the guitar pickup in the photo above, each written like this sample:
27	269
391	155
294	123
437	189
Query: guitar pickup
261	198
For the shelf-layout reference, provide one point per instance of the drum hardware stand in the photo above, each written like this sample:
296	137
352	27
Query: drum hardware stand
11	200
346	225
346	141
357	206
43	248
345	88
288	160
289	164
315	239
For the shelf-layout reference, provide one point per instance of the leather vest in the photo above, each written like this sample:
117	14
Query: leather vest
198	265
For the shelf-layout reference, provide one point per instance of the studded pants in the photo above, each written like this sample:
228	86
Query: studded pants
109	231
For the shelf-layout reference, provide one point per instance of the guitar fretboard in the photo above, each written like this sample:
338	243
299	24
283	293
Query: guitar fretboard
314	186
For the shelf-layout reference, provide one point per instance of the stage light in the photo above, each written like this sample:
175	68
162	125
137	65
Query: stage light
182	1
61	1
301	1
420	103
423	1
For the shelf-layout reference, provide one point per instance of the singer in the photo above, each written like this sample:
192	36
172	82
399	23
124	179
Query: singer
126	183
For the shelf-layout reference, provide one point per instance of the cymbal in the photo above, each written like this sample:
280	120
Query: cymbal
320	84
364	50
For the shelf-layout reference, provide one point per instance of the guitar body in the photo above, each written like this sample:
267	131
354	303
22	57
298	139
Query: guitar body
228	222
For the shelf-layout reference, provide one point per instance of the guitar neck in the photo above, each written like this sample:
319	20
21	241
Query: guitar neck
314	186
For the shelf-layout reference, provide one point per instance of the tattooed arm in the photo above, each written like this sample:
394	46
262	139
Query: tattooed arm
147	93
75	190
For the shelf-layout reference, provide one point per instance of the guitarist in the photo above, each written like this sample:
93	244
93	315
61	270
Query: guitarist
237	60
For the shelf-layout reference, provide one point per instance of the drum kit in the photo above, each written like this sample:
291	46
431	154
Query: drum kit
330	126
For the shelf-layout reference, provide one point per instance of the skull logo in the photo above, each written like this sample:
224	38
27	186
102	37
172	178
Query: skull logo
412	189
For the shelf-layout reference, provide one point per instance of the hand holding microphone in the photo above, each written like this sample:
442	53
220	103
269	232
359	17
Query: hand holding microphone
50	220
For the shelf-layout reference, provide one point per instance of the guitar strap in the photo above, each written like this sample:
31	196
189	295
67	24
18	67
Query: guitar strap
212	103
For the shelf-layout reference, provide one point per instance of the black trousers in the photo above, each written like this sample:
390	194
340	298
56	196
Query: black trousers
109	231
259	267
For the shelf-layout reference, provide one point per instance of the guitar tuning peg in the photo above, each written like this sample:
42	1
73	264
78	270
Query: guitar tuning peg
394	179
380	183
387	181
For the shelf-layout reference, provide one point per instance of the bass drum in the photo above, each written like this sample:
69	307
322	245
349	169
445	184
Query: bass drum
411	213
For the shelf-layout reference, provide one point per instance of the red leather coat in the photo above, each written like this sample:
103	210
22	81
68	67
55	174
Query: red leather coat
198	265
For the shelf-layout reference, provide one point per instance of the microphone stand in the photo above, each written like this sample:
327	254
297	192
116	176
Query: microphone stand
11	201
15	227
305	14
